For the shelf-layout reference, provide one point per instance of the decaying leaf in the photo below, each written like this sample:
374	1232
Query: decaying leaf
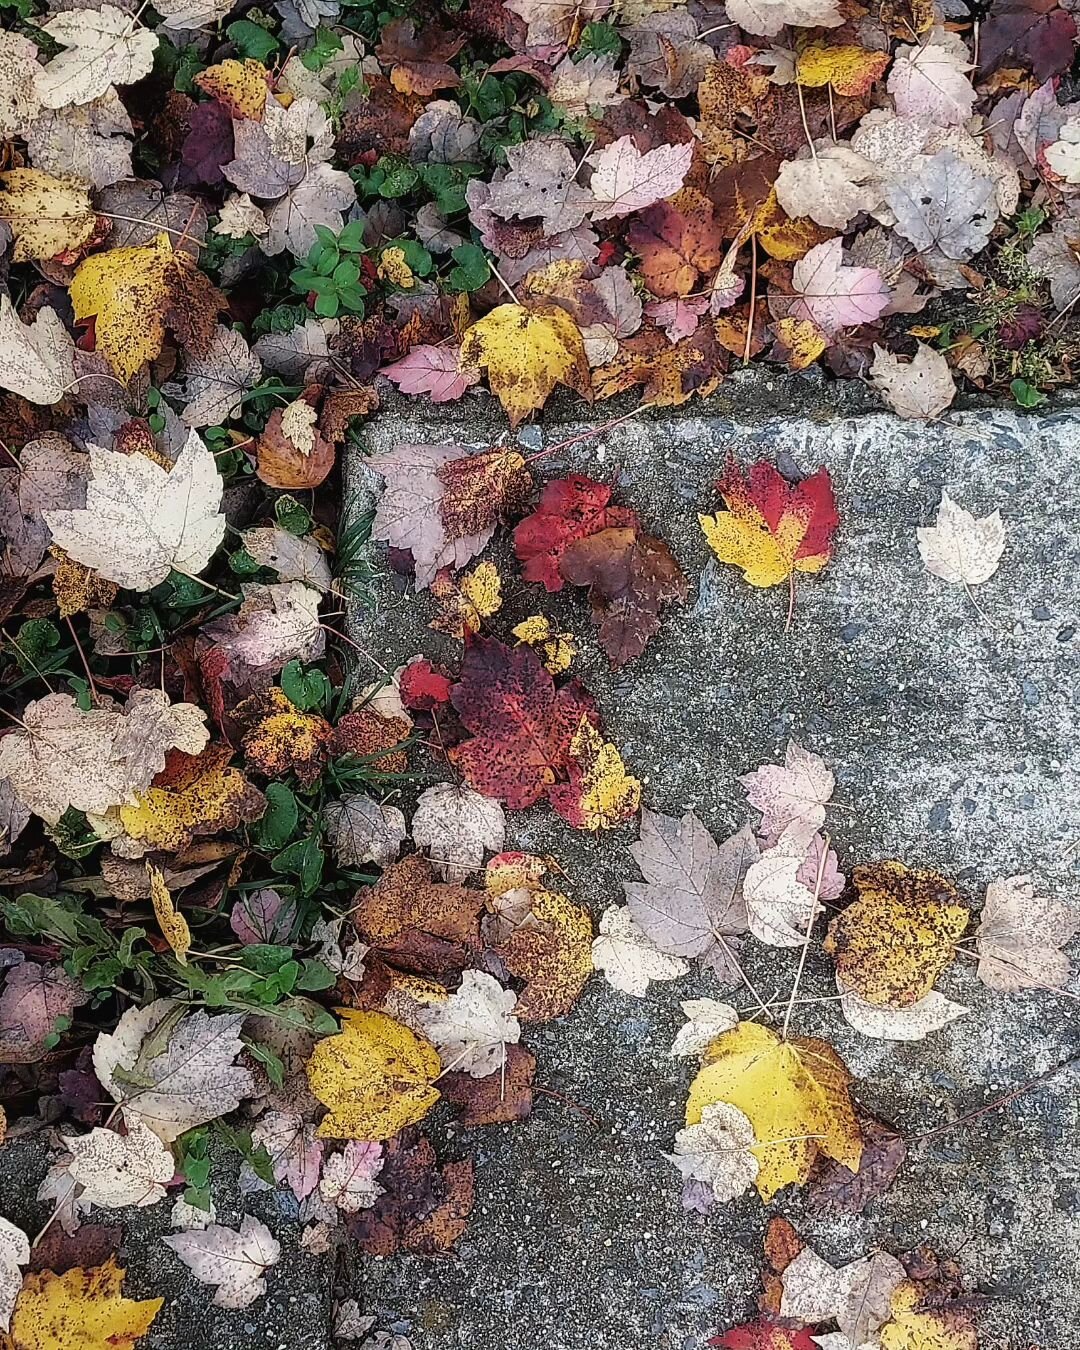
794	793
780	906
173	925
960	548
625	956
101	48
456	826
472	1027
234	1260
894	940
82	1307
34	997
794	1093
600	793
348	1178
115	1170
36	359
375	1077
361	830
706	1019
1020	936
418	923
526	352
922	388
569	509
423	1208
911	1023
553	955
497	1099
625	180
837	1189
14	1252
204	796
465	602
46	215
718	1151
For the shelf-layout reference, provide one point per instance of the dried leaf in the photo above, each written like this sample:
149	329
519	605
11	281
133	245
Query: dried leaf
36	359
922	388
960	548
173	925
552	953
569	509
101	48
834	296
498	1099
81	1307
235	1260
116	1170
46	215
33	998
627	959
456	826
361	831
526	353
472	1027
796	792
718	1151
625	180
217	380
600	794
1020	935
348	1178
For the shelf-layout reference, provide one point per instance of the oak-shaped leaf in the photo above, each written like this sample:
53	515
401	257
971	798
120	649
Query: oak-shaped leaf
521	725
569	509
173	1070
233	1260
630	575
691	900
771	527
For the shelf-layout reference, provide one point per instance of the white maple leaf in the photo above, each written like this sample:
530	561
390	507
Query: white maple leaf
472	1027
36	359
913	1023
275	624
858	1295
921	388
172	1071
239	216
348	1178
293	557
186	1216
294	1148
14	1252
930	80
832	185
765	18
942	203
541	182
141	521
455	826
796	791
101	48
1020	936
181	16
717	1151
576	86
321	198
116	1170
627	959
234	1260
19	104
216	381
707	1018
626	180
362	830
779	906
960	548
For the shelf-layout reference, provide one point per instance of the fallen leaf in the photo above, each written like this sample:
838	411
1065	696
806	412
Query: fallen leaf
296	1155
569	509
522	727
850	71
960	548
290	453
899	934
630	576
14	1252
832	295
857	1296
1020	935
780	908
83	1308
832	186
930	79
625	956
116	1170
420	61
234	1260
465	602
423	1208
46	215
771	528
262	916
677	248
691	901
706	1019
418	923
216	381
274	625
280	739
795	1094
206	797
541	183
101	48
173	1084
456	826
293	557
765	18
625	180
600	794
173	925
526	353
348	1178
33	998
240	86
37	358
765	1334
836	1189
795	792
375	1077
718	1151
472	1027
555	649
915	1022
552	954
135	294
498	1099
435	371
912	1327
361	830
922	388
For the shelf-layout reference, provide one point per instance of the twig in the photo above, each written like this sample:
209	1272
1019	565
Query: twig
753	301
809	929
592	431
995	1104
82	656
805	124
567	1101
504	283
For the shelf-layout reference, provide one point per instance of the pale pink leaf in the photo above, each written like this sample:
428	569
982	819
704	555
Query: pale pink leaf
626	180
834	296
433	371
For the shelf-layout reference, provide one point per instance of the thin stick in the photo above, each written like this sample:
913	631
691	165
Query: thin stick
994	1104
363	652
503	282
567	1101
82	656
753	301
592	431
208	584
806	941
805	124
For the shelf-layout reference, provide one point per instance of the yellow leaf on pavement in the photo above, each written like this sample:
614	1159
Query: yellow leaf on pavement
896	938
464	603
600	793
527	352
135	294
910	1328
172	923
79	1310
375	1077
552	953
793	1092
47	215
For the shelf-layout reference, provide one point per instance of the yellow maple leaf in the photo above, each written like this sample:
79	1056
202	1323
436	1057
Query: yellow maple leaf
282	739
794	1093
896	938
78	588
464	603
375	1077
135	294
557	650
79	1310
173	925
240	86
799	342
527	352
849	70
47	215
600	794
552	953
207	798
910	1328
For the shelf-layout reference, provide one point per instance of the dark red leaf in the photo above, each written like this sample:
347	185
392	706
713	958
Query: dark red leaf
569	509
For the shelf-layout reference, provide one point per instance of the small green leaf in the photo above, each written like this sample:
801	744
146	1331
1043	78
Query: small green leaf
314	977
292	516
252	40
471	270
278	825
265	957
307	689
1026	395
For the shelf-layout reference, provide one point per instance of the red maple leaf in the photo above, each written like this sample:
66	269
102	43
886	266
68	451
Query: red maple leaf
802	515
1039	32
569	509
423	687
522	726
764	1335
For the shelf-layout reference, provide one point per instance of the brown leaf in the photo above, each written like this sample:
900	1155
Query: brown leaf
377	122
835	1189
284	459
630	575
499	1098
341	405
420	924
419	60
678	242
280	738
782	1245
668	373
91	1245
553	955
422	1208
480	489
368	735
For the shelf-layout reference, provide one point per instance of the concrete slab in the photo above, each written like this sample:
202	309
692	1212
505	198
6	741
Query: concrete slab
953	738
